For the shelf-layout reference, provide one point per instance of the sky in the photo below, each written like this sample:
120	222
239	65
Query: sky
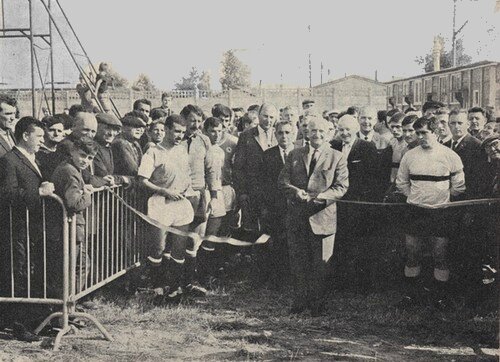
164	39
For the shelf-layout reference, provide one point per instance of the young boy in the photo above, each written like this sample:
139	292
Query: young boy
156	133
76	195
397	143
409	133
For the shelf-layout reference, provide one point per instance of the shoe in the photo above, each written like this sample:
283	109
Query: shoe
195	291
489	274
172	298
21	333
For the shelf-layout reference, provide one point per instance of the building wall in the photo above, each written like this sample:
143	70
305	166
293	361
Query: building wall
478	85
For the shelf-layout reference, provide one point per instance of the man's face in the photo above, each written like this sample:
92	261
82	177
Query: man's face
144	108
308	106
290	115
133	132
493	150
318	133
333	117
430	112
396	129
166	102
85	125
303	128
458	126
285	135
55	133
106	133
7	116
366	123
267	116
215	134
442	125
409	133
33	140
426	138
347	132
477	121
81	159
194	122
332	130
238	115
226	123
175	135
157	133
489	130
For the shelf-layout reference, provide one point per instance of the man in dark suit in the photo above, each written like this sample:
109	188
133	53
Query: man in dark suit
22	186
7	117
313	178
247	166
274	201
127	152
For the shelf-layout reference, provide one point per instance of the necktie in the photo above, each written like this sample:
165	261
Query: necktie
312	164
366	138
189	140
284	155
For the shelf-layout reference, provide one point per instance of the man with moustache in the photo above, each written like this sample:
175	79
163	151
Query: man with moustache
313	178
248	160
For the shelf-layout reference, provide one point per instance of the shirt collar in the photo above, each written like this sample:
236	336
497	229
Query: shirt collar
261	130
25	153
457	142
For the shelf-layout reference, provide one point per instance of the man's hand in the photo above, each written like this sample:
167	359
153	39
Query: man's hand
110	180
175	196
46	189
88	189
302	196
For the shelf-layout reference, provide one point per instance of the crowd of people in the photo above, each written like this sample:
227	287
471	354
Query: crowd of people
263	171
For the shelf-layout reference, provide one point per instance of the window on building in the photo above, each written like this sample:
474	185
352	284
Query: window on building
475	98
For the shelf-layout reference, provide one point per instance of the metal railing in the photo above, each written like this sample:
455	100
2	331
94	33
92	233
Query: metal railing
48	257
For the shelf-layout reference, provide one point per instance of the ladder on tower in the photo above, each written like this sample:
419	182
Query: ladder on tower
89	81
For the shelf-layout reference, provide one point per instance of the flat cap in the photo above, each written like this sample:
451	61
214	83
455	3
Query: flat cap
49	121
108	119
132	121
307	101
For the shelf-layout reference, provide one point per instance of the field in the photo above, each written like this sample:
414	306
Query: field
242	321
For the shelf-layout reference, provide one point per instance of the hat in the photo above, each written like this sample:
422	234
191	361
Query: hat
49	121
132	121
333	111
307	101
489	140
108	119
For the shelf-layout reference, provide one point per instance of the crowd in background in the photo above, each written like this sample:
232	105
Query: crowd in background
264	170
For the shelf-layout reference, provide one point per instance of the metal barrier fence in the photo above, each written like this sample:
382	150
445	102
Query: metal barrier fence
48	257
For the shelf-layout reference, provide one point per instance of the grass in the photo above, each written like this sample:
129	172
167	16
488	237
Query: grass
240	321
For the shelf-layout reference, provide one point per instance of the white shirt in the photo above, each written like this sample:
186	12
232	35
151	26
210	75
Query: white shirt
265	140
367	137
346	149
284	153
30	157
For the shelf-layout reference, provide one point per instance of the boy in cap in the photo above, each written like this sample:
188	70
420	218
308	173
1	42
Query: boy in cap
127	152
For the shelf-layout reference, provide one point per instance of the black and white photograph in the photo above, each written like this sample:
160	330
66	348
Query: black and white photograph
230	180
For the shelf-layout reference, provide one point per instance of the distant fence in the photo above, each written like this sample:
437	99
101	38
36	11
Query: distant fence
325	99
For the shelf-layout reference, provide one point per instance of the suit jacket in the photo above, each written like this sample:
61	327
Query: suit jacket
476	170
127	156
274	199
363	174
19	184
329	181
247	164
380	142
4	146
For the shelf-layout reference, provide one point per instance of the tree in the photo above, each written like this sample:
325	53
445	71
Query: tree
143	83
235	74
190	82
204	81
446	58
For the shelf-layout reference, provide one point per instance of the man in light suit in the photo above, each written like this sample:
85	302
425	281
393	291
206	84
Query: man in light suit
7	117
313	178
247	166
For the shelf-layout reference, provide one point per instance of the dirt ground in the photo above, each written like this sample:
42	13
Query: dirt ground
246	322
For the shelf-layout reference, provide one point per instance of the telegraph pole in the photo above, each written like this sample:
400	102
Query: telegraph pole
455	33
310	66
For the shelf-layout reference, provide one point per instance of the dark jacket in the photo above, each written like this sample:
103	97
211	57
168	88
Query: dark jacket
362	163
274	200
127	156
4	146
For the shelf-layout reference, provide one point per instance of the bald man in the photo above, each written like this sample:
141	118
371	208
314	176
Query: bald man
313	178
367	120
84	124
247	167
